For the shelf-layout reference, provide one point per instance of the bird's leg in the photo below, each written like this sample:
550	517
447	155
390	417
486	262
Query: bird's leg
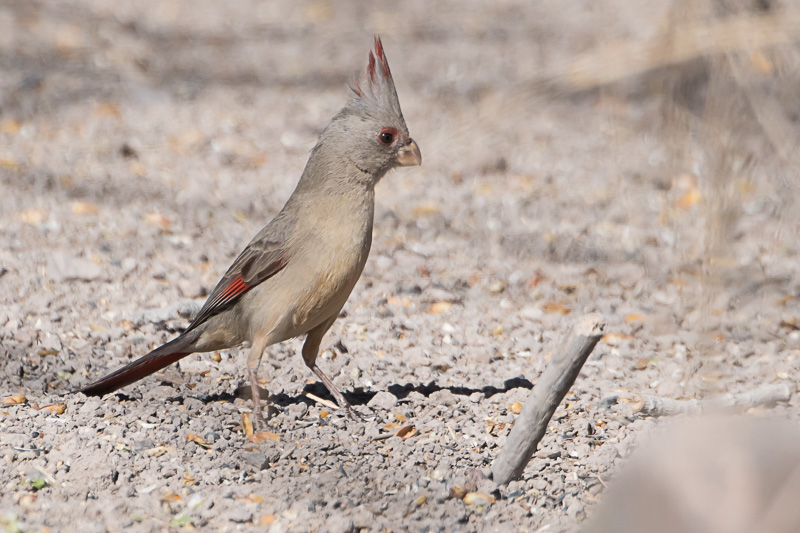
340	399
253	362
310	351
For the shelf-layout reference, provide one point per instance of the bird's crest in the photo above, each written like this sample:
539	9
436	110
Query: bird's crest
375	85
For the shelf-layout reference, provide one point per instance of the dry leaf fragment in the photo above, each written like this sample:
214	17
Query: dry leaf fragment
247	424
439	307
457	492
400	417
106	110
497	331
188	479
14	400
555	307
641	364
262	436
45	352
616	338
406	432
516	408
323	413
55	408
84	208
258	160
391	426
634	317
422	500
484	189
197	439
158	451
10	164
34	217
497	286
690	198
266	520
534	281
157	219
318	12
471	498
253	498
137	168
172	497
426	209
494	428
10	126
761	63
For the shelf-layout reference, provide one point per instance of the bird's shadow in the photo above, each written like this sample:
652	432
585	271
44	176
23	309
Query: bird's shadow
360	396
357	396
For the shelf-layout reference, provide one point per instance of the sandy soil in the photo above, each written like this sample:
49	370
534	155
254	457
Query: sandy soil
142	145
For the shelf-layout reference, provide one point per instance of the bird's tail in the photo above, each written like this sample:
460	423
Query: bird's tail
159	358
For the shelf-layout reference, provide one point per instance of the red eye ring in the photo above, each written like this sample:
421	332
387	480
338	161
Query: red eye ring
387	136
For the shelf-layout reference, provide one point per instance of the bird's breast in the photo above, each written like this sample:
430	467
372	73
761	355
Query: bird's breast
336	268
334	251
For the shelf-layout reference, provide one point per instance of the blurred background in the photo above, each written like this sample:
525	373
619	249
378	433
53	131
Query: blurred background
632	158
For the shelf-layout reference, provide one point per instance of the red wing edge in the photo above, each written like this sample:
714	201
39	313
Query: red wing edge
223	299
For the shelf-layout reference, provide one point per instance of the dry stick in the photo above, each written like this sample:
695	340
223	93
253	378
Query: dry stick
323	401
550	389
764	396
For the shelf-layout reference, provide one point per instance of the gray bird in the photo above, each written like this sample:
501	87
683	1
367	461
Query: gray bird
296	274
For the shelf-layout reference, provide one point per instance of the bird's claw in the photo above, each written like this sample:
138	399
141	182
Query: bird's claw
352	414
259	423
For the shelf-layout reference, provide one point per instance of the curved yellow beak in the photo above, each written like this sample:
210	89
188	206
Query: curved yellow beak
409	155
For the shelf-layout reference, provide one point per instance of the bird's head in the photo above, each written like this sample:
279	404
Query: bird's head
370	128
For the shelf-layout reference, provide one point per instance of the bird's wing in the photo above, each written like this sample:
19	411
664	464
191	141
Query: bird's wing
262	259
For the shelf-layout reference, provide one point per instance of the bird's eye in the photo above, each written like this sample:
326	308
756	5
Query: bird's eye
386	136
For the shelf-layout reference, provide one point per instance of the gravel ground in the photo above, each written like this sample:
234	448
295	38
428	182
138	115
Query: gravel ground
142	145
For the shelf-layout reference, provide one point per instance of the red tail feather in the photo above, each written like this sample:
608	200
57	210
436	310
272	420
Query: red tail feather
159	358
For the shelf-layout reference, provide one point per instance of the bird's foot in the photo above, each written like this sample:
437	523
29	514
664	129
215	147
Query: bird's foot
338	396
352	414
259	422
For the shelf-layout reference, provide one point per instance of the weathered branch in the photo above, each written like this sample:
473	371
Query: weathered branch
550	389
764	396
621	59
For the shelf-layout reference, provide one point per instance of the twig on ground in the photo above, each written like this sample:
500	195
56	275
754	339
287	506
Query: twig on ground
764	396
322	401
550	389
